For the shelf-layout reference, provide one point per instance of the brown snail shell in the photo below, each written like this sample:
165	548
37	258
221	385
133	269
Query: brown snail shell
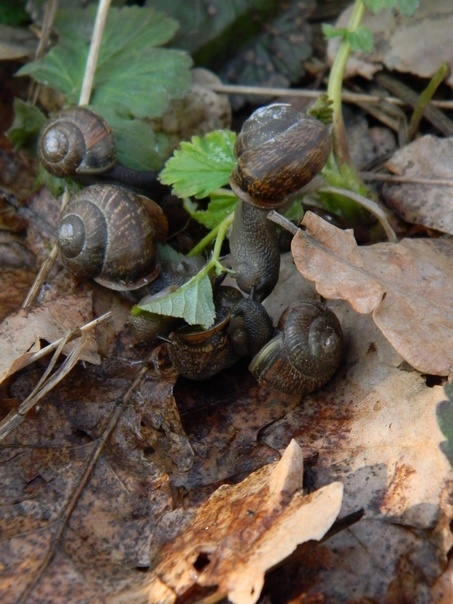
255	250
110	234
279	151
306	352
76	141
198	353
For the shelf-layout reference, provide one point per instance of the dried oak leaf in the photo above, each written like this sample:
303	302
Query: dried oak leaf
21	332
426	204
407	287
244	530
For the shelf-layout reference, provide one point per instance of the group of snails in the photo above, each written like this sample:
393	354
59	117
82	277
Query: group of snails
110	233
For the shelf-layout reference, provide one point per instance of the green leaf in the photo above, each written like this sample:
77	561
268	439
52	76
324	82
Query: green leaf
137	145
222	203
28	121
362	39
201	165
444	413
333	32
192	302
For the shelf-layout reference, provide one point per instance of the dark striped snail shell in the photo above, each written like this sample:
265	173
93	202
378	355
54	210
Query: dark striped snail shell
76	141
110	234
305	353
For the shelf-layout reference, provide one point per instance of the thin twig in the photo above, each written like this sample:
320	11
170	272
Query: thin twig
46	266
347	97
93	55
435	182
46	383
51	347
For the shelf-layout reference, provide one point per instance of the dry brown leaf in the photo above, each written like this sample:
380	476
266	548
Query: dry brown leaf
407	287
20	333
426	204
244	530
403	43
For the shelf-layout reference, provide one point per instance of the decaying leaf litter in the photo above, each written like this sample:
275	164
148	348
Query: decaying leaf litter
120	477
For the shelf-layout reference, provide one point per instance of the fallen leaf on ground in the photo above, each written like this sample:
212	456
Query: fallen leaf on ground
426	204
244	530
407	287
21	332
397	41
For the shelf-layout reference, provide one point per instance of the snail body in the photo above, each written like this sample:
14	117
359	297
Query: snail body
76	141
255	250
306	352
110	234
250	327
278	151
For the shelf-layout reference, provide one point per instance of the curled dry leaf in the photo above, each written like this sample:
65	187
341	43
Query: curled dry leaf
21	333
427	204
407	287
397	41
244	530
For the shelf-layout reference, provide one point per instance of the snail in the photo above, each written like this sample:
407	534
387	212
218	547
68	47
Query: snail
304	354
78	143
278	151
198	353
110	234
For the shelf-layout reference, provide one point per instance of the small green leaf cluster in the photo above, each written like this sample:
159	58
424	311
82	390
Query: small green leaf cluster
199	169
361	39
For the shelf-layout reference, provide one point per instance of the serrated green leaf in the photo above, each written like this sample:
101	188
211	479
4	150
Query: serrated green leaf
192	302
201	165
28	121
62	68
144	81
332	32
222	203
362	39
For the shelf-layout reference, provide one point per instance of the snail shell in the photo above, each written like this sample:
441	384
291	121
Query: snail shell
76	141
110	234
199	354
255	250
306	352
279	151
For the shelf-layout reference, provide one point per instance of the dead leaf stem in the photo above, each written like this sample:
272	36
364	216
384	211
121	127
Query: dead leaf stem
96	39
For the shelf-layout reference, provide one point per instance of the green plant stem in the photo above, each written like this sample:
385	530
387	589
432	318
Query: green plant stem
425	98
336	83
218	232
